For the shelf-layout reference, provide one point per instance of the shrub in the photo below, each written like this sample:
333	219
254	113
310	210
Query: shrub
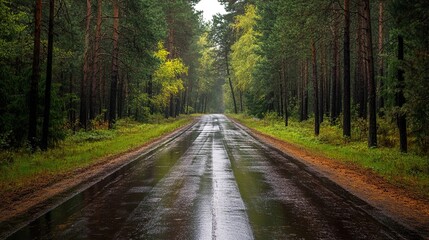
270	118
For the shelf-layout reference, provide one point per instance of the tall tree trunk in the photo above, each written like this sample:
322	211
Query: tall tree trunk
333	111
327	82
115	67
47	110
150	93
83	117
285	95
170	36
170	109
35	77
241	100
339	90
315	90
358	64
380	56
372	107
196	102
322	87
185	98
346	94
301	91
362	68
400	99
103	92
305	105
96	76
71	106
205	103
178	105
121	97
189	96
280	100
230	83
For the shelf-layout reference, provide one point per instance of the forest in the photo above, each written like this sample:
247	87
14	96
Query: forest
70	66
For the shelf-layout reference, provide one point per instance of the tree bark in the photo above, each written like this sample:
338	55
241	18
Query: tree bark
115	67
339	99
380	56
35	77
305	92
83	117
285	95
230	83
301	91
96	76
185	98
315	90
149	92
333	111
401	120
170	36
280	88
47	110
322	88
71	105
327	87
372	108
241	100
205	103
121	96
346	94
362	67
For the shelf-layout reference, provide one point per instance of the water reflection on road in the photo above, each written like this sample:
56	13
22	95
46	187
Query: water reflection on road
212	182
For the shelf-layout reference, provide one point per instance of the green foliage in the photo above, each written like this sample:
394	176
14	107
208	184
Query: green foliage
156	118
15	47
205	71
143	24
410	18
12	32
91	136
208	80
244	55
168	76
271	118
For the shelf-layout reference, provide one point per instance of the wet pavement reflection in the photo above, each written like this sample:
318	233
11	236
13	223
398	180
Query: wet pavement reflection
214	182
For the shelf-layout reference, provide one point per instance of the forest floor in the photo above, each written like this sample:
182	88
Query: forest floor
404	205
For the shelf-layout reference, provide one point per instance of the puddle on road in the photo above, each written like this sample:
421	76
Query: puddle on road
269	217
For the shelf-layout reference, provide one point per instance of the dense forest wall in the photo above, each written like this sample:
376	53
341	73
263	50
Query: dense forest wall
360	64
69	66
107	62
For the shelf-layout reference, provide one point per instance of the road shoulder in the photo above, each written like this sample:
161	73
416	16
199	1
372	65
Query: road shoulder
42	196
405	207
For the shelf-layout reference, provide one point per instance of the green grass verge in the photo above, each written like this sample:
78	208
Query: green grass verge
78	151
410	171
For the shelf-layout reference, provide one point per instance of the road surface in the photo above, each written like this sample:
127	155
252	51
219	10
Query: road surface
214	181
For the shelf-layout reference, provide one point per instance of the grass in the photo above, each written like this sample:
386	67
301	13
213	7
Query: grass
410	171
77	151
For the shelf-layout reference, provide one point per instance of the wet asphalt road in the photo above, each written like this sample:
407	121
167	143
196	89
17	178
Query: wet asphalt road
214	182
